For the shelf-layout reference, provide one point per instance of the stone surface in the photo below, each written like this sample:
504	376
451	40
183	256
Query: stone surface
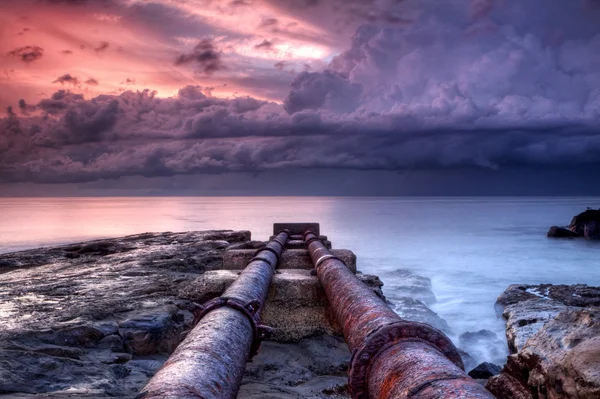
82	319
290	259
407	284
555	333
409	295
586	224
484	371
561	232
320	365
526	308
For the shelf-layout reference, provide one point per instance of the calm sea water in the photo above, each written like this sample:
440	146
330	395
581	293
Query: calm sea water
470	248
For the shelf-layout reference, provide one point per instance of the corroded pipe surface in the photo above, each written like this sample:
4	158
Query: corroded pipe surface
391	358
210	362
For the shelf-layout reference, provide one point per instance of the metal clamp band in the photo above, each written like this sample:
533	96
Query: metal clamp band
324	258
273	251
250	310
315	238
262	259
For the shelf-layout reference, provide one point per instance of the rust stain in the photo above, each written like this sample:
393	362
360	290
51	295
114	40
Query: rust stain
391	357
210	362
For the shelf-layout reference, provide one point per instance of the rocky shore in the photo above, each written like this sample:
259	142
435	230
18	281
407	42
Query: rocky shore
553	333
97	319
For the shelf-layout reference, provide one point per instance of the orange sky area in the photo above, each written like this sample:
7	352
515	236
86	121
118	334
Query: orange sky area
108	51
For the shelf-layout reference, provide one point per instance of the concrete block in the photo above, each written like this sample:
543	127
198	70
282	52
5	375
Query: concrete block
296	228
290	259
296	305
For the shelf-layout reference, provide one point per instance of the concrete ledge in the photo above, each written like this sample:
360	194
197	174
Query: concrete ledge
296	228
237	259
296	305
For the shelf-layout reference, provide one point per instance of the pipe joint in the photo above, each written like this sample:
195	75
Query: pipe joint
248	309
387	336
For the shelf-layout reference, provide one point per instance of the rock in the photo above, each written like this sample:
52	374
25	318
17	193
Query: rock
468	360
407	284
156	330
562	360
561	232
525	318
311	368
68	313
414	310
483	344
556	339
484	371
586	224
99	318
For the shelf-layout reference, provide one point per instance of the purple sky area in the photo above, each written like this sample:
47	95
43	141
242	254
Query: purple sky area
366	97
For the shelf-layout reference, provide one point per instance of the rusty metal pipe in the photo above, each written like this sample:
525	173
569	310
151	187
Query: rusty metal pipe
391	358
210	362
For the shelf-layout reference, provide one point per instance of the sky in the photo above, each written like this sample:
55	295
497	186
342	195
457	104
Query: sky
300	97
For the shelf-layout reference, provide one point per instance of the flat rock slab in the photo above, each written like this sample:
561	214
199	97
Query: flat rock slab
290	259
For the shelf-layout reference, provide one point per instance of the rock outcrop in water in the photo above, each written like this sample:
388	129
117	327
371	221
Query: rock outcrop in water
98	318
586	224
553	332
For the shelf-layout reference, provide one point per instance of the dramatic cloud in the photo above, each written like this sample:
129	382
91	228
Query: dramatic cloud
265	45
420	86
204	55
27	54
67	79
102	47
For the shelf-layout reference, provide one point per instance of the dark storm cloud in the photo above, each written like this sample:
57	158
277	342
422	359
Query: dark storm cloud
91	82
327	90
27	54
67	79
469	85
205	56
103	46
265	45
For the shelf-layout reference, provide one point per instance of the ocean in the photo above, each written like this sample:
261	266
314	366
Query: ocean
471	249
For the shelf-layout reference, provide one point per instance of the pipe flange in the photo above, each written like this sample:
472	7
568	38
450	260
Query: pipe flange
311	239
387	336
264	259
278	241
272	250
324	258
248	309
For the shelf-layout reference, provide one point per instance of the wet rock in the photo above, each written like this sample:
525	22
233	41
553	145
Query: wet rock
312	368
414	310
68	313
556	340
528	307
561	232
407	284
484	371
586	224
526	318
156	330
